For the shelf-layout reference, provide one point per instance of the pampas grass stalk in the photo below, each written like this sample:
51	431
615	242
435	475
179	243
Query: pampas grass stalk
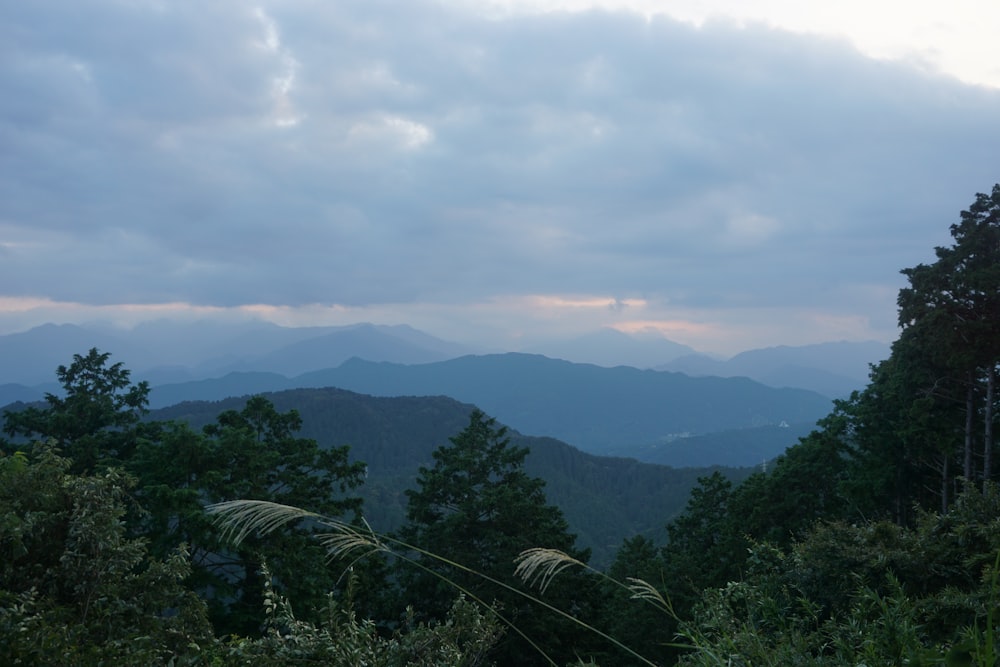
241	518
539	566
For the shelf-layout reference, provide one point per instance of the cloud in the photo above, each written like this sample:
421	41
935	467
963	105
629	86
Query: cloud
390	130
370	155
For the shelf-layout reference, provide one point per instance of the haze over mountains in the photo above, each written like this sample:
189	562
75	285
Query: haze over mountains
166	351
692	410
169	351
831	369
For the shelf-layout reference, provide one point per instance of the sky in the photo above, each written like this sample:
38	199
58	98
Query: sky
728	174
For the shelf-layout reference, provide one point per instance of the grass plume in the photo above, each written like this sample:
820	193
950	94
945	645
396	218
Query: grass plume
537	566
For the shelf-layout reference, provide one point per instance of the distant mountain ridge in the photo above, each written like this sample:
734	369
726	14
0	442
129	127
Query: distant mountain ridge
594	408
31	357
610	347
597	408
169	352
833	369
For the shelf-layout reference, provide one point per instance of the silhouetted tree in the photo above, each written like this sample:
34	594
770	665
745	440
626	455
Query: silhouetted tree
477	507
97	420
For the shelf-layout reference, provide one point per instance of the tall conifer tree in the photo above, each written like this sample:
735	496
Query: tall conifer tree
478	508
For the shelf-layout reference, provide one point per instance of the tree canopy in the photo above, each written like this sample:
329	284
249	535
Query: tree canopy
252	453
96	421
477	506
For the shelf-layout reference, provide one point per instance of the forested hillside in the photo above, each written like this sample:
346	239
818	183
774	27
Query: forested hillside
238	540
745	447
605	500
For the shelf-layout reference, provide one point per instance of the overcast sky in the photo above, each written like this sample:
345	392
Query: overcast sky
729	174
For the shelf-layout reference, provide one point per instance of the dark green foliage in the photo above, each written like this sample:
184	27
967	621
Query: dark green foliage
950	315
898	440
605	500
762	621
639	625
710	542
95	421
923	426
74	588
857	566
255	454
705	547
876	593
477	507
340	639
801	487
955	301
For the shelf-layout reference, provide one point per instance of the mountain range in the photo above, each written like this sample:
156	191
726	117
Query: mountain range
167	352
395	393
831	369
685	413
646	414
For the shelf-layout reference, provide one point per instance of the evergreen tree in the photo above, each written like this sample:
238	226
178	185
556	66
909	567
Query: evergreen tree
912	433
478	508
96	421
954	305
706	547
804	485
251	454
905	436
642	627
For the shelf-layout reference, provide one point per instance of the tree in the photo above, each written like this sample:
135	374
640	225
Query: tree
477	507
911	434
706	547
954	304
803	486
899	440
644	628
254	454
865	593
883	591
74	587
98	419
